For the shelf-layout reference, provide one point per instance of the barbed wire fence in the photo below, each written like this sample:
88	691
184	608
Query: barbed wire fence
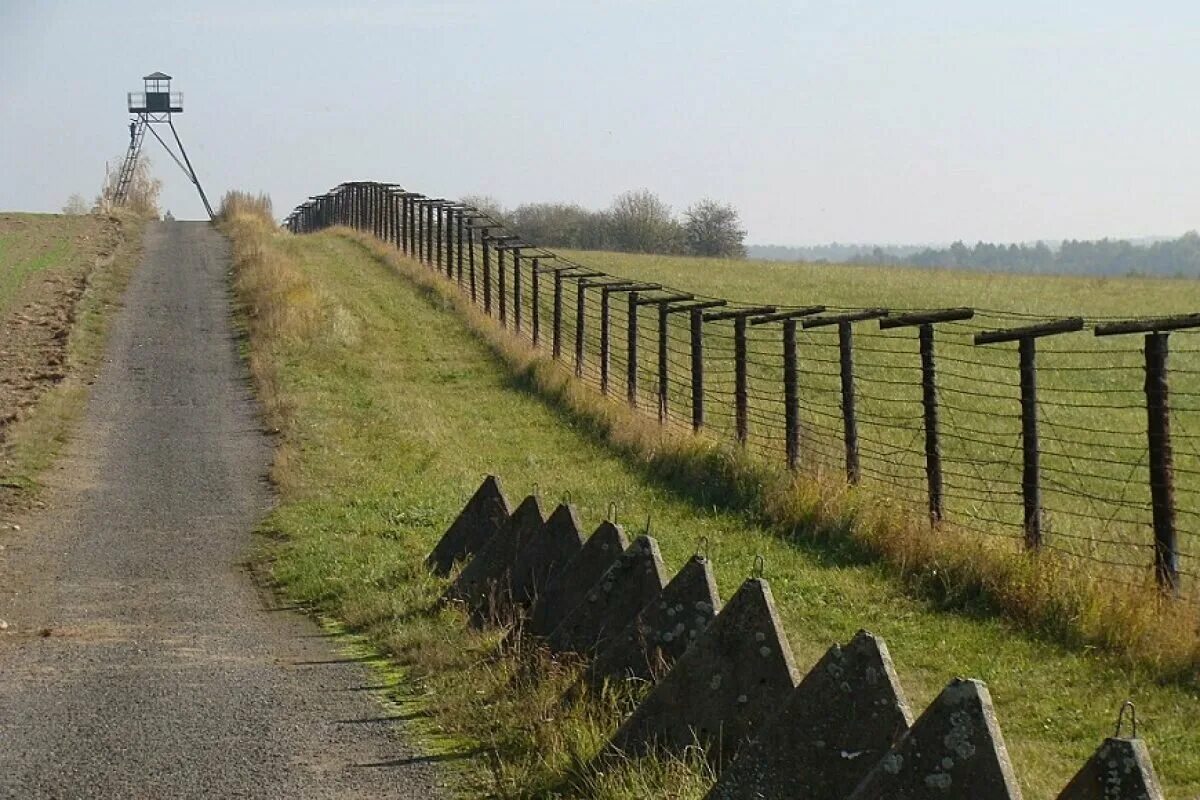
1068	435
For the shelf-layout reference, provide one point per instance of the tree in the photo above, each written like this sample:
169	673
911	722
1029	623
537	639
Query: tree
639	222
559	225
486	204
76	206
143	191
713	229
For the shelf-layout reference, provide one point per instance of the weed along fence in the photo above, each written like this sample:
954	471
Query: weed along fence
722	676
1077	436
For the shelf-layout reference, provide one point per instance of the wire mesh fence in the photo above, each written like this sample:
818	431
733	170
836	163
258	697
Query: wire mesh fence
1064	435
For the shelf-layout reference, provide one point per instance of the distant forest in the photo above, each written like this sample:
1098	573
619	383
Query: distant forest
1167	258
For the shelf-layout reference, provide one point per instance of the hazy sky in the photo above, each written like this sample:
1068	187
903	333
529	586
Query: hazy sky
849	121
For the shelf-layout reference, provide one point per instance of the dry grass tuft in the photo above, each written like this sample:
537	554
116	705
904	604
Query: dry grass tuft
237	204
952	568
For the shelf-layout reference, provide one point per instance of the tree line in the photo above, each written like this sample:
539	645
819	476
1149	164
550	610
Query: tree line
1172	257
635	222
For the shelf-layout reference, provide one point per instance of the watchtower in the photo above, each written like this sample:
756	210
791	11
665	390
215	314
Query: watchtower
153	106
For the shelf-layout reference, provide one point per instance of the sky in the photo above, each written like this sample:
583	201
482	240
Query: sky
921	121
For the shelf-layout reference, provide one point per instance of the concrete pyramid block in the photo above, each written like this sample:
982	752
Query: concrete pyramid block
484	585
568	587
733	677
546	552
844	716
653	641
954	750
1119	770
625	588
477	523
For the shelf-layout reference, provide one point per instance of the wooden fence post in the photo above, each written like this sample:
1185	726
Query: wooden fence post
429	234
741	387
791	382
697	330
535	310
441	238
516	253
458	250
845	330
1026	338
1158	429
487	273
502	246
580	308
663	371
556	331
924	322
631	349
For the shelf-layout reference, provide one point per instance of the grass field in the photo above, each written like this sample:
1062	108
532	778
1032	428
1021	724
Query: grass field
60	278
39	245
391	410
1091	403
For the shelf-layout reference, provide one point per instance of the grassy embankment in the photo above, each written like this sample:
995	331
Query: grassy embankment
391	409
36	251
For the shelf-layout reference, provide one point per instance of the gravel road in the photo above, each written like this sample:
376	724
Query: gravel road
140	660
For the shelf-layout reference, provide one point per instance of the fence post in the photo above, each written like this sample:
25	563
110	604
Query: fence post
517	290
377	210
458	251
665	309
663	374
924	322
791	383
556	332
441	228
697	331
535	311
501	247
413	251
1026	338
1030	484
487	273
1158	429
429	234
500	284
420	212
631	350
604	329
580	309
1162	472
605	323
398	218
845	330
791	396
741	387
417	220
405	200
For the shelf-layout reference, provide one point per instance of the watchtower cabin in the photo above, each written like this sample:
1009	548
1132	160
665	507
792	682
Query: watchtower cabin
157	97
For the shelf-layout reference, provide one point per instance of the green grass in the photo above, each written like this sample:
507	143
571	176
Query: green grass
33	244
105	249
391	412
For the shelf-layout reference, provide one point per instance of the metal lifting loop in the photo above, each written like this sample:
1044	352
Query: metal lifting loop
760	565
647	531
1121	718
702	548
567	497
612	512
537	490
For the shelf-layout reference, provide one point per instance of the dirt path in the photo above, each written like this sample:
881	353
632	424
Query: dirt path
140	660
